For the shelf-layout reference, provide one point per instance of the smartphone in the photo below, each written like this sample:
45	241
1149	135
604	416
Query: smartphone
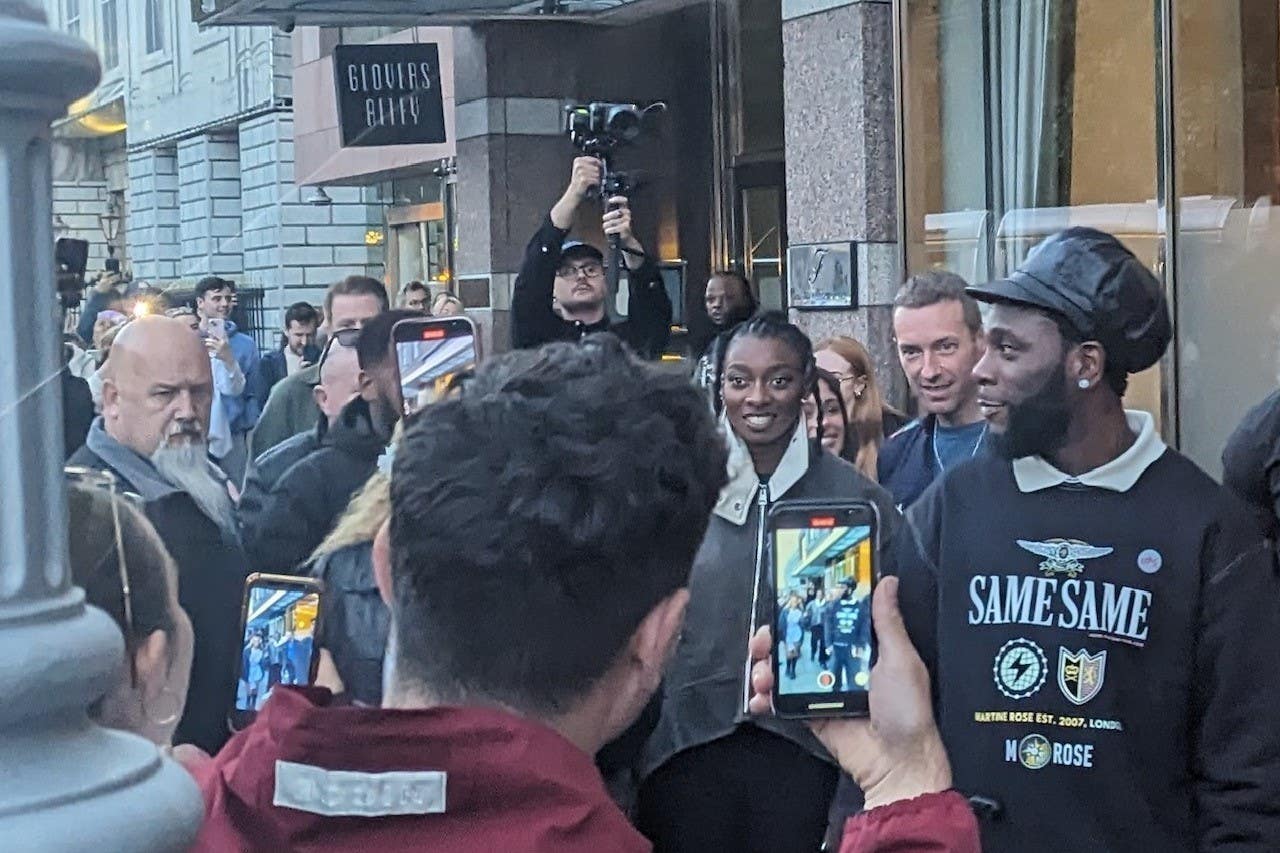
825	563
216	327
278	623
430	353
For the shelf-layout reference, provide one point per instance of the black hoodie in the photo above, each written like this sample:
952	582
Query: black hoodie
1251	460
1104	649
287	523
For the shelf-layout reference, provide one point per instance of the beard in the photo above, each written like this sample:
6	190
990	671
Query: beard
185	466
1038	425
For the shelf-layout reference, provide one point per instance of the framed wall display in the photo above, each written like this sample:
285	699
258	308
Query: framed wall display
821	276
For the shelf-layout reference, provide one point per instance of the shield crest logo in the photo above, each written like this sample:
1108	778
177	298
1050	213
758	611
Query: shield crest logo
1080	674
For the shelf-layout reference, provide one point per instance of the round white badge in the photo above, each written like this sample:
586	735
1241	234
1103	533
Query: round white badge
1150	561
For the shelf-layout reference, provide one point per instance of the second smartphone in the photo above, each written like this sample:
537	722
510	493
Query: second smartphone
825	563
430	353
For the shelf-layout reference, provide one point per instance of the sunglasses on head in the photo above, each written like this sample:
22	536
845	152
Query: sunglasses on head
106	481
346	337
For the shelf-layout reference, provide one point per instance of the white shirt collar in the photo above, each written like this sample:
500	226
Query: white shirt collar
1034	474
737	495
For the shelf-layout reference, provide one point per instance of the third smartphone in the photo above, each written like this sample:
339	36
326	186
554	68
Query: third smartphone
278	623
430	352
824	564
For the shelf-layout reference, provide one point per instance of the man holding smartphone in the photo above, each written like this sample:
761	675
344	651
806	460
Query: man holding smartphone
561	291
215	298
1101	618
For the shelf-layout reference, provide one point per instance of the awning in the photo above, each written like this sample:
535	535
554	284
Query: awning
840	542
338	13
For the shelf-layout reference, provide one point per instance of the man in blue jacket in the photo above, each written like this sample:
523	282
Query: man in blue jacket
297	349
939	332
214	300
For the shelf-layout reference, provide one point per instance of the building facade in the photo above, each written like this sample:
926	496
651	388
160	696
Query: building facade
893	136
184	157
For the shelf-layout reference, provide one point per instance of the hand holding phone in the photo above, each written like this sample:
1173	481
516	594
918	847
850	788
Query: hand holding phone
430	353
824	564
278	626
898	753
216	328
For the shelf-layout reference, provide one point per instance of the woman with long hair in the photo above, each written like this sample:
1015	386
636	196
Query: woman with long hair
870	419
710	775
836	437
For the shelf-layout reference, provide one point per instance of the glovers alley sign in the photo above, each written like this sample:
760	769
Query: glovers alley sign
389	94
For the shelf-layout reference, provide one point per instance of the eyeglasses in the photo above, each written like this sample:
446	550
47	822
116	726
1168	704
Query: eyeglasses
346	337
589	270
95	479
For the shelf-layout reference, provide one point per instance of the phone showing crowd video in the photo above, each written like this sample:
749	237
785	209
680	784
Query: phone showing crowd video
278	622
824	565
430	353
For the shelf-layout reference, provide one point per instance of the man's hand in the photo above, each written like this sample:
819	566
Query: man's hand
897	754
220	348
587	172
617	221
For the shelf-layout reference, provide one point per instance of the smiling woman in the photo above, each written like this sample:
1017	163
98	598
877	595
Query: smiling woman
710	779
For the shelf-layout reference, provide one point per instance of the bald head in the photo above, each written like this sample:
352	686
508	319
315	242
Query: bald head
339	380
158	385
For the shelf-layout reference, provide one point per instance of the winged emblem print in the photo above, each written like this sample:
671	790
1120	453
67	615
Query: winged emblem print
1063	556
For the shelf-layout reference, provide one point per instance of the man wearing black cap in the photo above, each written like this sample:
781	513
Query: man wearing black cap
843	629
1102	620
560	292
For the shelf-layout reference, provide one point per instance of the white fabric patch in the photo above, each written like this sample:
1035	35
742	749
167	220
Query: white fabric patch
338	793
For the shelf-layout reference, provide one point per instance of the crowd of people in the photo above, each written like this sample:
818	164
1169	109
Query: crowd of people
538	594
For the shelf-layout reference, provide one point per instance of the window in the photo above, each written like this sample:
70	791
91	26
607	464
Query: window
154	22
71	16
110	34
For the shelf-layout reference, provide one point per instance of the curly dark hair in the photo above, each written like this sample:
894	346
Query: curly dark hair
539	515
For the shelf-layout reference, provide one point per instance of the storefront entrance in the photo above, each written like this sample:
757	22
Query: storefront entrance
1023	117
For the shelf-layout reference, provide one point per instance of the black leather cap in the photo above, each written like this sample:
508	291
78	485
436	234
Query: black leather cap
1089	279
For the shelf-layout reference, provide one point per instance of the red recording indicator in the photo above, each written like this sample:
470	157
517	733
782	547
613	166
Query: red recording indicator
433	334
822	521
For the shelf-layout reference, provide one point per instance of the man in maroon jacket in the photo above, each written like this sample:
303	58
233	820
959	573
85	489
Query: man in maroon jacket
543	526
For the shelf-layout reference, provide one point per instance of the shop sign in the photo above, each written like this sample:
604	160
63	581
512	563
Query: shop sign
389	94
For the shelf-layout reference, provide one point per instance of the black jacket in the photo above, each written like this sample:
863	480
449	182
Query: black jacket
1251	460
354	621
274	367
1104	654
907	466
534	323
281	531
268	468
77	412
211	572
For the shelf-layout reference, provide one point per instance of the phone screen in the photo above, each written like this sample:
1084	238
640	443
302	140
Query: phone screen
824	568
216	327
430	352
277	640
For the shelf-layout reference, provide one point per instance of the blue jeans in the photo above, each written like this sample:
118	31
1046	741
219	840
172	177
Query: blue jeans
842	661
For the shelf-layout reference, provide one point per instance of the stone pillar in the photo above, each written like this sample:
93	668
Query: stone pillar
209	204
153	214
66	784
292	249
840	150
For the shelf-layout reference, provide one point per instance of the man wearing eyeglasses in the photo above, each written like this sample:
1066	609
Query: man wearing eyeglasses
560	292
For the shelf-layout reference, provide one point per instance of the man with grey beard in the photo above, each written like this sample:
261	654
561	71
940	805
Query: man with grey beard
152	435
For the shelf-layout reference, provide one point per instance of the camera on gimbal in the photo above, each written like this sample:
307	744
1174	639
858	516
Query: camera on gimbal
599	128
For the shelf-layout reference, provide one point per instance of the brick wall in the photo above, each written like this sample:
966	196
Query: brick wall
294	250
209	206
153	225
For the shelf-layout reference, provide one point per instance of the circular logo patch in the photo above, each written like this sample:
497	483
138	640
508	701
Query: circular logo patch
1020	668
1150	561
1034	751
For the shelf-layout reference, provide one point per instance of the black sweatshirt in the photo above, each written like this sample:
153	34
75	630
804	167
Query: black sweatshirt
534	322
1107	663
